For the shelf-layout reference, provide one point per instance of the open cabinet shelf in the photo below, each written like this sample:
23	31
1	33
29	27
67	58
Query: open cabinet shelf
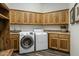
3	6
3	17
4	27
4	11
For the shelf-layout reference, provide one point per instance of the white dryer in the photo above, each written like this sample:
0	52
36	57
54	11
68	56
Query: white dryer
41	40
26	42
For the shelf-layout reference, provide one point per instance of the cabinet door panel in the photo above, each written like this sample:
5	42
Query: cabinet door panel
31	18
26	17
51	18
45	18
56	18
39	18
54	43
14	41
16	44
12	17
64	45
19	17
63	17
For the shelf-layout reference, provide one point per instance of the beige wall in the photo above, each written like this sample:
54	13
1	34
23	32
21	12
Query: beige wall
74	41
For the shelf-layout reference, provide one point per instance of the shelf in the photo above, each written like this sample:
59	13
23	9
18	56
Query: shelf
2	5
3	17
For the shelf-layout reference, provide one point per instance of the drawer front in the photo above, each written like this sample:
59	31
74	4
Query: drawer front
66	36
53	35
14	35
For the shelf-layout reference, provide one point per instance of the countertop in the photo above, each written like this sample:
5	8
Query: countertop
59	32
14	32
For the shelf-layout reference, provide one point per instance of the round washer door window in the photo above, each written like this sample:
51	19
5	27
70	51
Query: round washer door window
26	42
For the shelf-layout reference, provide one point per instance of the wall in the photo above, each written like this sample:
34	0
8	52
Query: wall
74	41
46	7
37	7
31	27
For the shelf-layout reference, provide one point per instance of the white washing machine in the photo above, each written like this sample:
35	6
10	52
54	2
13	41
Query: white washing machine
26	42
41	39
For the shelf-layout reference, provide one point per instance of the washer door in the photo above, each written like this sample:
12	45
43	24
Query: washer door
26	42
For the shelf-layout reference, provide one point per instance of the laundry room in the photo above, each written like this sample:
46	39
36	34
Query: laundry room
36	29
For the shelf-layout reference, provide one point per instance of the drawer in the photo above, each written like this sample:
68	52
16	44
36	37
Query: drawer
14	36
66	36
53	35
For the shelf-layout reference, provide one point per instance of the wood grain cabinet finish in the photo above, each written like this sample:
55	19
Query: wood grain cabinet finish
54	43
39	19
64	17
59	41
53	40
16	17
25	17
19	18
64	42
14	41
12	16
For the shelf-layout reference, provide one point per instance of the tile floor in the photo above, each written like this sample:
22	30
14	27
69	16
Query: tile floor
48	52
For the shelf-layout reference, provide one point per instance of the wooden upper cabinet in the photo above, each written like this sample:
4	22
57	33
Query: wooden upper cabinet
12	17
55	18
16	17
45	18
50	18
19	17
14	41
25	17
64	17
31	17
39	18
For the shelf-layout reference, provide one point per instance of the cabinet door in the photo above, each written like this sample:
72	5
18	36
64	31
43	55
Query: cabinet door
39	18
14	41
26	17
54	43
66	16
45	18
30	18
16	44
19	17
56	18
63	16
16	17
64	45
51	18
12	17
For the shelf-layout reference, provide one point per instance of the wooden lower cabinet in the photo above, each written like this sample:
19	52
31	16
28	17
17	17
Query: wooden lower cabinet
64	45
53	43
14	41
59	42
